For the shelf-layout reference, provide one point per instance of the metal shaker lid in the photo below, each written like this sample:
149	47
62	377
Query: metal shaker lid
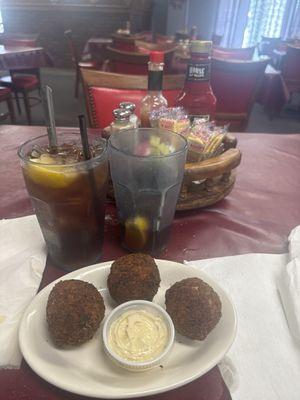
127	105
121	114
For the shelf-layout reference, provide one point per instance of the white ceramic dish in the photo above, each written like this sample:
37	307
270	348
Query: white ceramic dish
151	307
86	370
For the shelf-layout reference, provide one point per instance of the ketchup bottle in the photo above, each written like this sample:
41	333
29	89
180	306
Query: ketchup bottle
154	98
197	96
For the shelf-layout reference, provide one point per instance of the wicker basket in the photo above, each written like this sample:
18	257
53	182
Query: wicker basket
209	181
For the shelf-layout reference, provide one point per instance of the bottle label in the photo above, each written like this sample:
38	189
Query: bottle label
198	72
155	80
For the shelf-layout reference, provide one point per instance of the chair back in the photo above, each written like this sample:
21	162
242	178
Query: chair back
233	54
72	47
153	37
135	63
234	84
104	91
291	68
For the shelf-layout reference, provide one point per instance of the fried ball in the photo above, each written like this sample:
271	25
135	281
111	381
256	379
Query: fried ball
195	308
133	277
74	311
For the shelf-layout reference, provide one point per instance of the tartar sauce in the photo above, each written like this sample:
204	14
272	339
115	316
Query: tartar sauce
138	335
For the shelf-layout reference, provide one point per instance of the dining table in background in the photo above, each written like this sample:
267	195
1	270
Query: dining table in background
256	216
95	49
19	57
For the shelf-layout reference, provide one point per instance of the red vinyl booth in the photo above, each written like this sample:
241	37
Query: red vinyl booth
234	84
233	54
104	91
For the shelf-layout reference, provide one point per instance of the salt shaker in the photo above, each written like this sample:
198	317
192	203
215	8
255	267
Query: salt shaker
122	120
126	105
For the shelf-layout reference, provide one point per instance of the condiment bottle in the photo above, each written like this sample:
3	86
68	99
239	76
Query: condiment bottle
154	98
126	105
193	33
122	120
197	96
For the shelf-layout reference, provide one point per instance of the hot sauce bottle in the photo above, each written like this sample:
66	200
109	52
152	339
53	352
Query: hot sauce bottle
197	96
154	98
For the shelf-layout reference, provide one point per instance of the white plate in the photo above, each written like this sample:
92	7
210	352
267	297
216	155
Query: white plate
87	371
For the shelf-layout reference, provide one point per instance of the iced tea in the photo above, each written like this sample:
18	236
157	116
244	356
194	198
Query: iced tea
68	195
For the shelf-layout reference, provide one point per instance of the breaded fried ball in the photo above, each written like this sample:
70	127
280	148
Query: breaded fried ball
74	312
133	277
195	308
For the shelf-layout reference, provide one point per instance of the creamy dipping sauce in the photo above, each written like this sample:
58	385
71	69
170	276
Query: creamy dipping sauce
138	335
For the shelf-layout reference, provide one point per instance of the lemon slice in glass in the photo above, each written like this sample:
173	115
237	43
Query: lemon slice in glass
136	232
44	172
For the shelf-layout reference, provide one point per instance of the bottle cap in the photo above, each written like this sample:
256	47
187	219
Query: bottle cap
121	115
201	46
127	105
157	57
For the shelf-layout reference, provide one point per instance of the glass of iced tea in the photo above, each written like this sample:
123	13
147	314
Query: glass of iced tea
147	167
68	194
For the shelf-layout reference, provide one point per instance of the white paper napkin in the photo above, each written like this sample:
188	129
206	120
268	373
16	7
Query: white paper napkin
22	262
289	284
264	361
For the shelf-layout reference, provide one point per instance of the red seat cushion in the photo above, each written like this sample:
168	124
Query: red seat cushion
20	81
105	100
4	92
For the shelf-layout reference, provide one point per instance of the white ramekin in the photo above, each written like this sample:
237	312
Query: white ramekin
138	366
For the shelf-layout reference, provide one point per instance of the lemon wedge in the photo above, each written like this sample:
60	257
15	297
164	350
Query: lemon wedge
136	232
52	176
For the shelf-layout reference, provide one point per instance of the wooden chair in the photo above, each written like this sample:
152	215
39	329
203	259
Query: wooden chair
135	63
233	54
104	91
78	64
234	84
24	85
291	68
153	37
22	40
124	42
5	96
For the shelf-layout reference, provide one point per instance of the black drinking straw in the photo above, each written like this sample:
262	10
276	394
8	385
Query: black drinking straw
84	137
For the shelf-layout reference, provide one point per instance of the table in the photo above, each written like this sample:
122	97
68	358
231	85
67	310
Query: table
257	216
17	57
95	49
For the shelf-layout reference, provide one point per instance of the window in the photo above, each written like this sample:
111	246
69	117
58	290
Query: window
265	18
1	24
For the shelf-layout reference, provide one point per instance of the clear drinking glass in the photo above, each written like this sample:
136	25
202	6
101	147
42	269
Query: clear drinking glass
147	167
68	194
